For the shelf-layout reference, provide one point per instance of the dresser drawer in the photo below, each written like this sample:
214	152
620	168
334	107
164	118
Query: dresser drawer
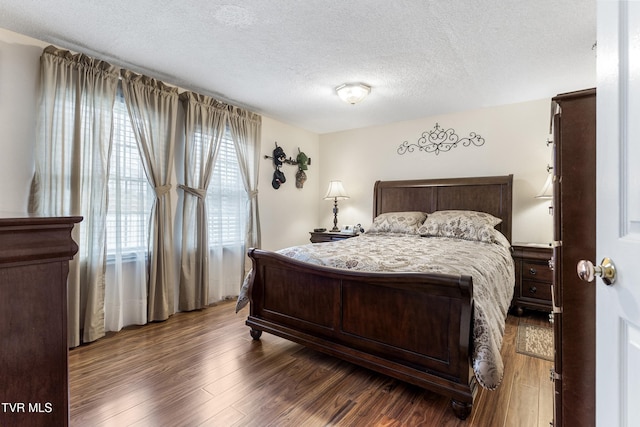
536	290
536	271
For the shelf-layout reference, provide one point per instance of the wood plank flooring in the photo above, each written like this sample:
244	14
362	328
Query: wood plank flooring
203	369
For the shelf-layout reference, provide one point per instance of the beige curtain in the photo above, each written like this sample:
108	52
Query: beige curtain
130	201
205	121
153	110
71	166
245	131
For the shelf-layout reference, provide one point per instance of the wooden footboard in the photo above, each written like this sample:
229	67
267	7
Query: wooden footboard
415	327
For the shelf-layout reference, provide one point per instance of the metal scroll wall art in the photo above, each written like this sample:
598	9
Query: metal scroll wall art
438	140
280	158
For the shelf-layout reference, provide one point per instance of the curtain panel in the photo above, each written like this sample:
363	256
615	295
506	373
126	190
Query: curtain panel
73	146
130	201
205	123
153	110
245	130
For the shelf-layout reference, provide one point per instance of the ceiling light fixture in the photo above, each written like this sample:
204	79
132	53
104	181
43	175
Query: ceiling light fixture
353	92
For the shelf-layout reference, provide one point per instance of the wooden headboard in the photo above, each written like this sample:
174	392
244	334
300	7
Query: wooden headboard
491	194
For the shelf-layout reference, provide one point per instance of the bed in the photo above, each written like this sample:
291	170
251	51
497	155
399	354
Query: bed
421	326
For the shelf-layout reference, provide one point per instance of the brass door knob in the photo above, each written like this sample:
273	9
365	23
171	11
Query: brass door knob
606	270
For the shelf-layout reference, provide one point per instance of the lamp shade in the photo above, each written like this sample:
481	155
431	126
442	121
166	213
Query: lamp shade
353	92
336	191
546	192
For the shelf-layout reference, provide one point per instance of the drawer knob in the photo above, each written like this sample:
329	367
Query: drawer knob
532	271
533	289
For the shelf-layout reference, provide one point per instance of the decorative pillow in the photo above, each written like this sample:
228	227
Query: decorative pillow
469	225
398	222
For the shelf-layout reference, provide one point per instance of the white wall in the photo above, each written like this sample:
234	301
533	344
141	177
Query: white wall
515	143
19	71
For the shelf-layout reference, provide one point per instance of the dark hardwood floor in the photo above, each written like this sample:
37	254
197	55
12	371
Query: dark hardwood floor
203	369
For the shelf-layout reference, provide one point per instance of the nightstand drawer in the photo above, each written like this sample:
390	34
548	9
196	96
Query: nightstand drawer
536	271
537	290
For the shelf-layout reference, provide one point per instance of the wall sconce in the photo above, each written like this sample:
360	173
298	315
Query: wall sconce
335	191
353	92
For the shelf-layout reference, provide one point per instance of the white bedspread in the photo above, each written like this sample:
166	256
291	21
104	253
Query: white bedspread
489	264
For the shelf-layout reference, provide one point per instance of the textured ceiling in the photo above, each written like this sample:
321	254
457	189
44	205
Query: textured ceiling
283	58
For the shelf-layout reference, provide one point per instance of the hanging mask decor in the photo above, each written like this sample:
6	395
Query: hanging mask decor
301	177
278	179
280	158
302	160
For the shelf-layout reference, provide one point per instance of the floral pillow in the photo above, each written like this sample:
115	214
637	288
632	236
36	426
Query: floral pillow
398	222
468	225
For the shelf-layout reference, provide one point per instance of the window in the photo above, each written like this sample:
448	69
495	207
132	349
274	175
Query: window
226	198
130	196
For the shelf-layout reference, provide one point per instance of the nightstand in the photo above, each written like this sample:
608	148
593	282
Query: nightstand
534	277
328	236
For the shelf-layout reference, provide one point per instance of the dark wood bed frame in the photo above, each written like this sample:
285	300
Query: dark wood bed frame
415	327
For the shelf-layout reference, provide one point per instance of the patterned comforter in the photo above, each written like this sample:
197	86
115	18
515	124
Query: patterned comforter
489	264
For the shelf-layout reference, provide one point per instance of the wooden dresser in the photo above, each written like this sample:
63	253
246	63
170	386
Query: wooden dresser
574	212
34	264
